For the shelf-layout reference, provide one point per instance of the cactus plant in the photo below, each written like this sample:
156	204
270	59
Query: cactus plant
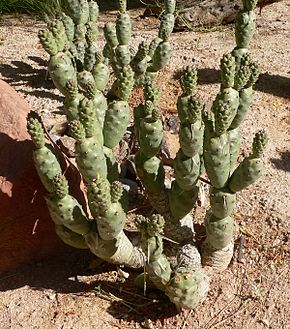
98	115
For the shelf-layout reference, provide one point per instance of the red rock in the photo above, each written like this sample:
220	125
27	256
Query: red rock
26	230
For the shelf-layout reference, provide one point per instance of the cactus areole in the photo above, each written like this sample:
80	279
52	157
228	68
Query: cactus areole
97	120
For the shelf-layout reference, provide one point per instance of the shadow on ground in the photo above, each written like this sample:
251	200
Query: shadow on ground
20	73
283	163
62	274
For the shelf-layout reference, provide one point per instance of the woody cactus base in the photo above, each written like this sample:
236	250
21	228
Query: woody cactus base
98	114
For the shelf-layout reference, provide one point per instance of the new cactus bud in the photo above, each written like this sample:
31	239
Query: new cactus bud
153	45
58	30
152	92
223	115
251	168
122	5
89	120
116	191
250	4
243	74
188	81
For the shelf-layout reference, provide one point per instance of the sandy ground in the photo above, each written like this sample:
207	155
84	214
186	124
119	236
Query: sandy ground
76	291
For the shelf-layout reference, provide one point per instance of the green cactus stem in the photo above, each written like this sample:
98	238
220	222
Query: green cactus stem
216	154
246	96
61	71
70	238
150	131
65	209
222	202
72	100
185	287
100	72
116	122
45	161
188	85
169	6
123	28
180	201
245	24
191	130
186	170
251	168
94	11
106	208
89	153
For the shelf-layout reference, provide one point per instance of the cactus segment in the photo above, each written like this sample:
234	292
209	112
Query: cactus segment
219	232
187	289
70	238
186	170
65	209
45	161
151	172
89	120
123	28
89	153
222	202
245	28
116	122
150	131
111	35
161	56
216	157
180	201
166	26
153	46
61	71
93	11
235	143
90	58
169	6
243	73
125	83
251	168
100	72
72	100
223	115
78	10
116	191
188	81
69	26
109	215
228	67
157	266
48	42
